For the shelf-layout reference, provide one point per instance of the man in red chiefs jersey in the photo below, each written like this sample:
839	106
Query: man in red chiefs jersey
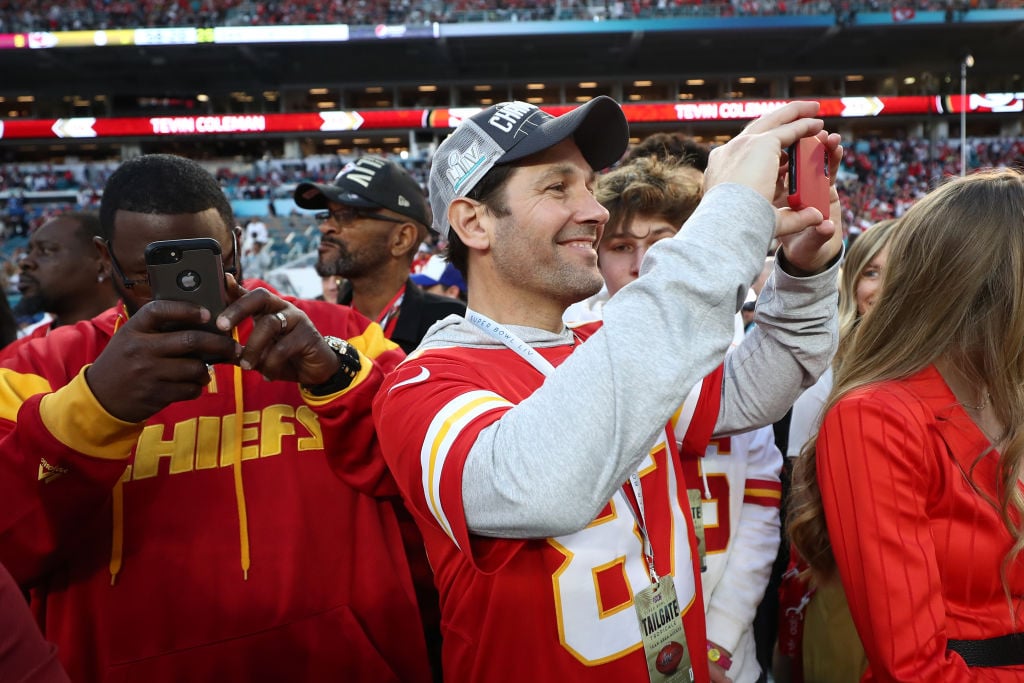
178	521
539	461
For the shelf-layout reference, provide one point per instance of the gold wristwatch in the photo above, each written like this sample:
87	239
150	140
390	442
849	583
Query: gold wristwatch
348	367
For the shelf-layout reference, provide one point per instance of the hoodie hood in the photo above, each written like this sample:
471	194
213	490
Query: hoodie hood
455	330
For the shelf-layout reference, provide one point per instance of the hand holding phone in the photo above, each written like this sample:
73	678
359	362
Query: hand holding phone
188	270
149	363
808	176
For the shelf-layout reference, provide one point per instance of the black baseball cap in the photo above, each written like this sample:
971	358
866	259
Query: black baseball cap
369	182
510	131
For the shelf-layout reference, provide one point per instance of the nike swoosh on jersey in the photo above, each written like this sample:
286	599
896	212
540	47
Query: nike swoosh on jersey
422	377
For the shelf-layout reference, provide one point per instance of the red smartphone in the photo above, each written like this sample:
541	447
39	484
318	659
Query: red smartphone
808	175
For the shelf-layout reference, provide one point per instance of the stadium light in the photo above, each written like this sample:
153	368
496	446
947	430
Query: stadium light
966	63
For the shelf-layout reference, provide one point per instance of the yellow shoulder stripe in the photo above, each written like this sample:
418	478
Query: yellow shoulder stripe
372	342
763	493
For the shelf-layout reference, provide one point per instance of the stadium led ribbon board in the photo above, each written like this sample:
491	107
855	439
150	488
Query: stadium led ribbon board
447	118
218	35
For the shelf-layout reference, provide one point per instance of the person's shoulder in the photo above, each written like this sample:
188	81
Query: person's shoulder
426	370
326	310
67	346
326	315
441	303
918	397
443	372
104	324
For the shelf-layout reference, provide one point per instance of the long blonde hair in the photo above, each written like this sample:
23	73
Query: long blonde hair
953	288
860	255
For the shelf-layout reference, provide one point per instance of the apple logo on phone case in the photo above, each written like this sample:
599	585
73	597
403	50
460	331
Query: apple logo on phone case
189	280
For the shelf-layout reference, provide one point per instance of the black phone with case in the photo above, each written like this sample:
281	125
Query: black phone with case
189	270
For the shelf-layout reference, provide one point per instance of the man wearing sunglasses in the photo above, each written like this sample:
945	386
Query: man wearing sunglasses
374	218
178	521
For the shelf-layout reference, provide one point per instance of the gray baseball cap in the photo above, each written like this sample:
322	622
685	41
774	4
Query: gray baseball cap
510	131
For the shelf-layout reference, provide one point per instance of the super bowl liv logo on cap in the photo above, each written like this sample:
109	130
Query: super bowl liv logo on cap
461	164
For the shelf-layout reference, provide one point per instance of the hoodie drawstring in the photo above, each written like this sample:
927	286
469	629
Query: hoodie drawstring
117	496
243	517
117	502
704	477
117	534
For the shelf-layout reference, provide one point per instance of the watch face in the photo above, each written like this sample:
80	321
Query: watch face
348	354
339	345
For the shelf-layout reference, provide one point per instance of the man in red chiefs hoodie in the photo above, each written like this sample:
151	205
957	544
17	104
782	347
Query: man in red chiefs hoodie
184	522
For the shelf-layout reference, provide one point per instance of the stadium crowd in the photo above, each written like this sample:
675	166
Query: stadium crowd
76	15
878	179
882	178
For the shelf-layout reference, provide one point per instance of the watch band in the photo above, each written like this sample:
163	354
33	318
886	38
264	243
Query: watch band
716	656
348	367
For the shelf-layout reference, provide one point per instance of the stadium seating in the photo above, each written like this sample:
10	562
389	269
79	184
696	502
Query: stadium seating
27	15
879	178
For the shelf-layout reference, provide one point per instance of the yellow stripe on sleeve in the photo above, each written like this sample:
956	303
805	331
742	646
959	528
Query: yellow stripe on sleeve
76	419
763	493
445	428
16	388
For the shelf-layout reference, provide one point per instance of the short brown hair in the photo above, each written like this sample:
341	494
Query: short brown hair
648	187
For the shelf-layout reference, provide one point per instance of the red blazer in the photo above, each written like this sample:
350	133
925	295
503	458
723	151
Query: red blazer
919	549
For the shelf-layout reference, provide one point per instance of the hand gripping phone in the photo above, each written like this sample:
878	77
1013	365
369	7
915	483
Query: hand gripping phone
189	270
808	175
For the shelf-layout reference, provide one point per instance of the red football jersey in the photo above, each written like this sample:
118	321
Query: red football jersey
553	609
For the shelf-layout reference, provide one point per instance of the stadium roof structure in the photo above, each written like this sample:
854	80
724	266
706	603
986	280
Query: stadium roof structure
187	60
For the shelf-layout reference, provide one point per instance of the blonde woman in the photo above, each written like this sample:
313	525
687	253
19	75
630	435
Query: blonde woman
817	639
912	494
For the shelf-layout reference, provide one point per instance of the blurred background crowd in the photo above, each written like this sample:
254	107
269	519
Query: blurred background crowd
78	15
879	179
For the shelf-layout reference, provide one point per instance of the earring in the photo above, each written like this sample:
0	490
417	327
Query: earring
99	278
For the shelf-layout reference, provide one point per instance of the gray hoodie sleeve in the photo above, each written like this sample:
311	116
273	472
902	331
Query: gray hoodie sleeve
549	465
790	346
